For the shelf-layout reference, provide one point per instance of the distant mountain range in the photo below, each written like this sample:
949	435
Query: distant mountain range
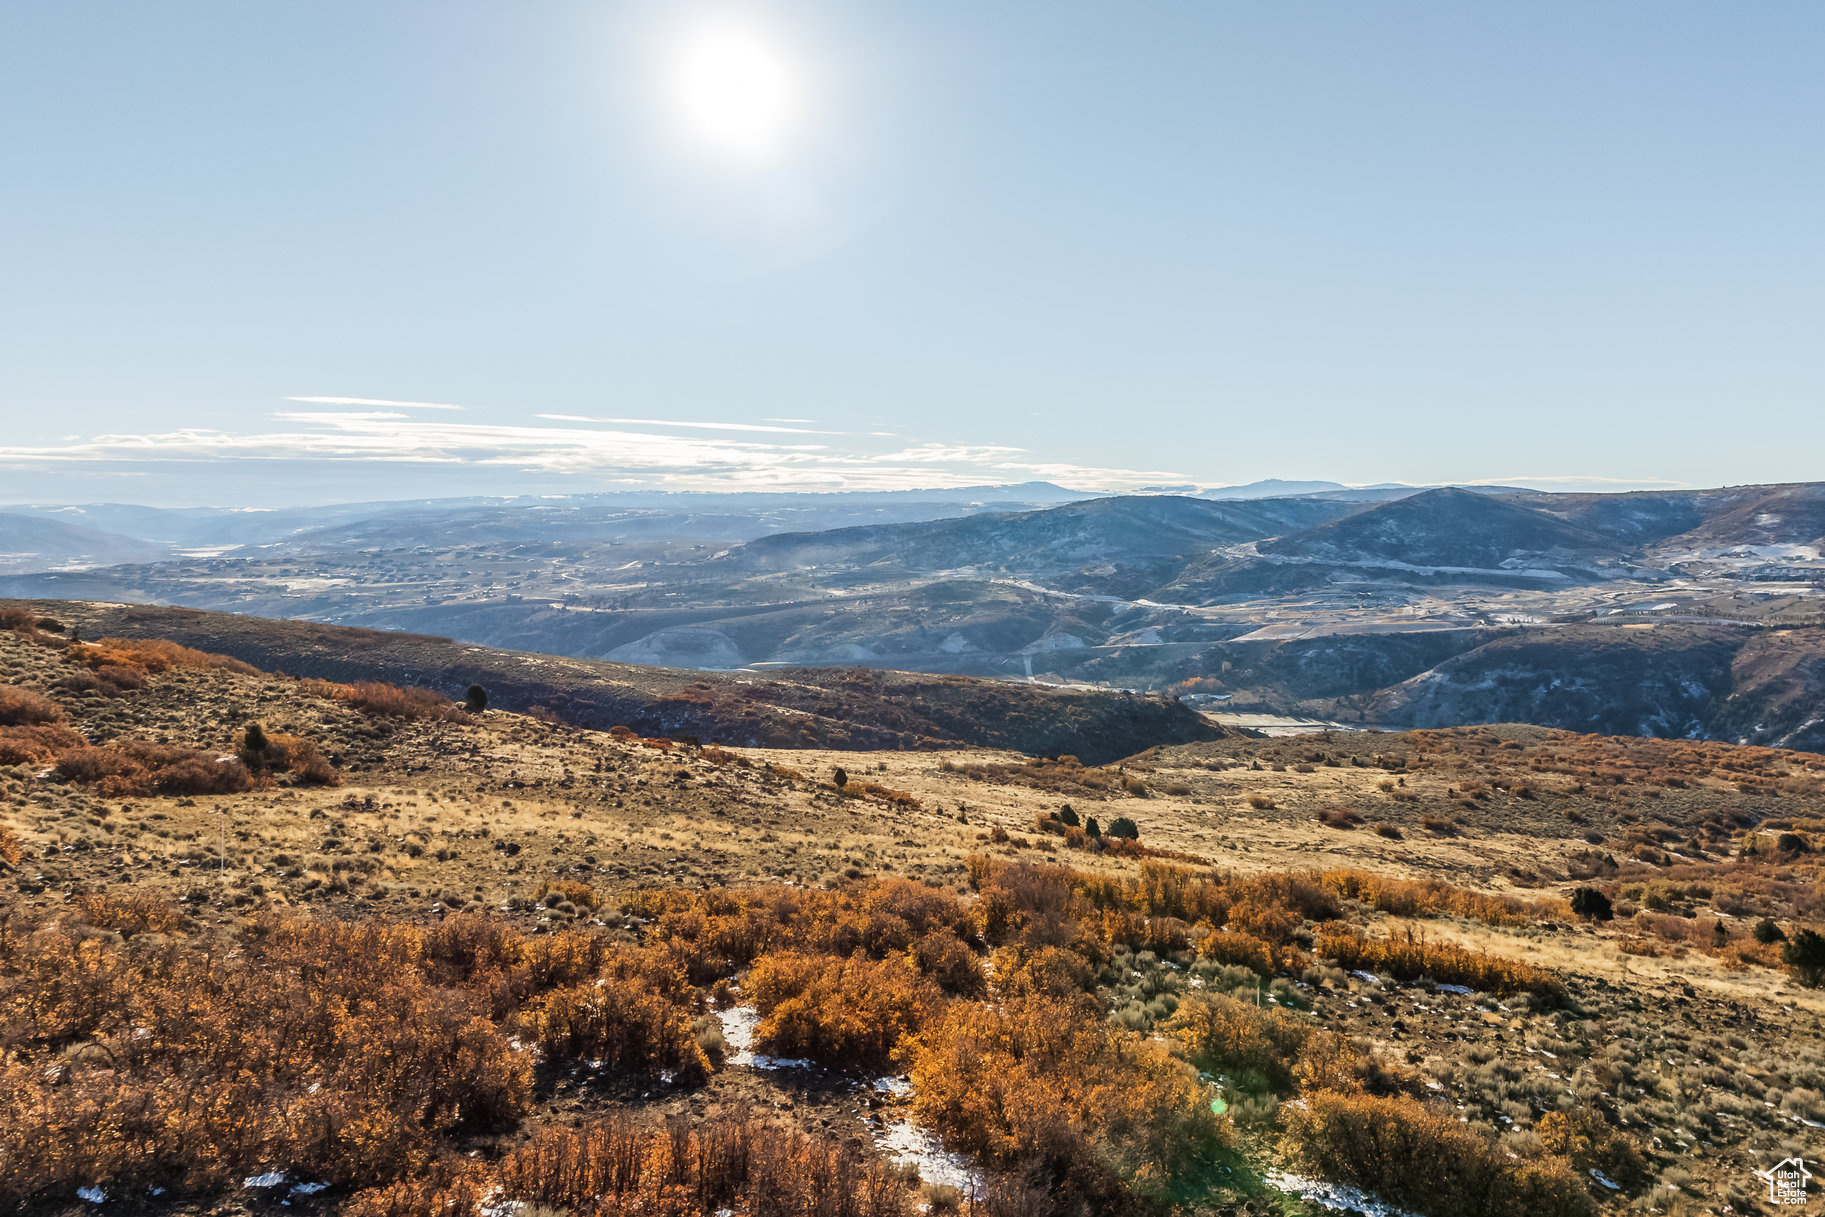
1278	488
596	516
1682	612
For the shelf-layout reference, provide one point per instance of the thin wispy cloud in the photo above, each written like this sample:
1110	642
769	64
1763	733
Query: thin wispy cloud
617	450
667	422
375	401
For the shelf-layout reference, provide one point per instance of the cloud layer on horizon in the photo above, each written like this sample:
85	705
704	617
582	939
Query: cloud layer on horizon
621	450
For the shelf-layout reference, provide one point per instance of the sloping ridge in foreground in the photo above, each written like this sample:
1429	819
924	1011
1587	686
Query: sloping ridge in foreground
791	708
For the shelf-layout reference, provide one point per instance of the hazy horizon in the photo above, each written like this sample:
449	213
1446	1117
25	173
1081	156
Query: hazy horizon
362	491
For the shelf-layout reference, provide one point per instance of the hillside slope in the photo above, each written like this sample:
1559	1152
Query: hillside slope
31	543
566	971
1445	528
1122	546
830	708
1671	680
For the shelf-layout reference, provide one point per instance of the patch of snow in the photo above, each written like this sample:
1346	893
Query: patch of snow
762	1061
907	1144
1605	1180
1335	1196
93	1195
738	1025
1367	978
898	1087
308	1189
1460	990
269	1179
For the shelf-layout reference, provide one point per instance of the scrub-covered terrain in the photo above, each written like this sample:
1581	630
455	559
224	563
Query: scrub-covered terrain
279	942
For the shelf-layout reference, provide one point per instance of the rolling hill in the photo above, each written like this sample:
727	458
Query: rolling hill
1446	528
831	708
32	543
1125	546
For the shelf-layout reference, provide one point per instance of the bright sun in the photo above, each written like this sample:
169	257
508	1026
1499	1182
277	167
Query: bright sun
736	92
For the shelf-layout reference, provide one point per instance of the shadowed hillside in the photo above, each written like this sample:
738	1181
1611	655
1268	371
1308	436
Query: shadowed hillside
1447	527
832	708
1124	546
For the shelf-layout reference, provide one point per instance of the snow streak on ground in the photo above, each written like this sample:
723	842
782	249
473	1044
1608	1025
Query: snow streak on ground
901	1140
908	1144
738	1024
1335	1196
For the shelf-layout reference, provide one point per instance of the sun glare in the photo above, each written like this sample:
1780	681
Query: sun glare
736	92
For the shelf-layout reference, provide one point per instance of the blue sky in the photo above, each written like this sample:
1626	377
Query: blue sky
1110	245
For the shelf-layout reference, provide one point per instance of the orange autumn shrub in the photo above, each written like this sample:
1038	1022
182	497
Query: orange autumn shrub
37	745
843	1012
137	767
26	708
1258	918
377	697
616	1168
129	914
1257	1044
714	933
855	788
1436	898
580	894
1419	1157
121	665
176	1065
949	962
1023	970
23	620
1099	1115
154	656
1160	935
293	754
1239	950
626	1026
351	1051
1409	956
